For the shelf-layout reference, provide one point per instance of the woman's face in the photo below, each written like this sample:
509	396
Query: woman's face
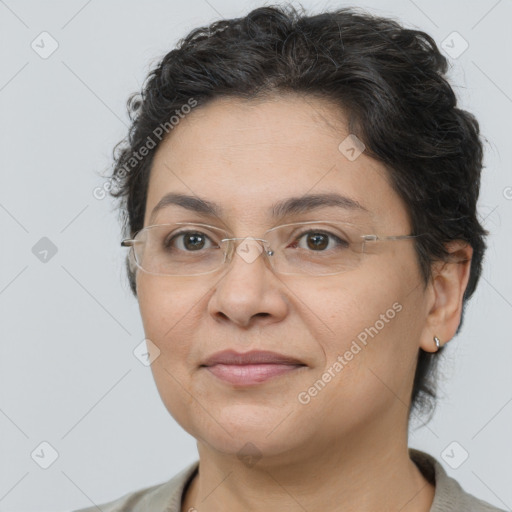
357	333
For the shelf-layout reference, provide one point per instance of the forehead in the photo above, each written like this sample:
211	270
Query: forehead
248	156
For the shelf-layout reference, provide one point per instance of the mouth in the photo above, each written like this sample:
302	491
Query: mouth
250	368
250	374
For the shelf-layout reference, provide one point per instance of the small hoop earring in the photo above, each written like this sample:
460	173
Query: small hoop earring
438	342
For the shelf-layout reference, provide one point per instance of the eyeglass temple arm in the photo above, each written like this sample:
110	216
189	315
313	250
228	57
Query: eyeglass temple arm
392	237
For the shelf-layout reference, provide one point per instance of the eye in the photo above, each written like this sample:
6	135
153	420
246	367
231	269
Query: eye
319	241
188	241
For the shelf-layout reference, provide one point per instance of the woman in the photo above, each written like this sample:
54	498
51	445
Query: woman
299	194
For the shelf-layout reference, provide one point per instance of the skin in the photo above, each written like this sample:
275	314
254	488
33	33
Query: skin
347	448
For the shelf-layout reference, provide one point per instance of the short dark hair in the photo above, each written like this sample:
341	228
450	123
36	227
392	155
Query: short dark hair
390	81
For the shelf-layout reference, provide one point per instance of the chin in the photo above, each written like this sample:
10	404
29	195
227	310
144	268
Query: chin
250	446
243	430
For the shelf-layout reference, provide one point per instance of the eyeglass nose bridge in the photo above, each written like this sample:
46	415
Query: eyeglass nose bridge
231	247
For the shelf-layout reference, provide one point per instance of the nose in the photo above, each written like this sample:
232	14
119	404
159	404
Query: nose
249	292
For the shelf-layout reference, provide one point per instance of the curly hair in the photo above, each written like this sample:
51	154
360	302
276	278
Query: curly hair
389	80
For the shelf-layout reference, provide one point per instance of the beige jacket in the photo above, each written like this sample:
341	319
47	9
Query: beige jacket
166	497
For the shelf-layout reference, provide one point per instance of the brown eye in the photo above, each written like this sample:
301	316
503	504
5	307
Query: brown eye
187	241
319	241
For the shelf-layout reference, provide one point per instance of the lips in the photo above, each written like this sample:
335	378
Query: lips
250	368
253	357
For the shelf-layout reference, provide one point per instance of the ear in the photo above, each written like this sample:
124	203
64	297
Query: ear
445	293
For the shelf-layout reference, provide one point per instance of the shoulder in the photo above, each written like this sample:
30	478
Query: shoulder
164	497
449	495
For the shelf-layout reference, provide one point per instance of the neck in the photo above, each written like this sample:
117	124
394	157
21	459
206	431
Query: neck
356	473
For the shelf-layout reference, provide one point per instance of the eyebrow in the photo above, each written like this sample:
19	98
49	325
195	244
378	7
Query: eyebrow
290	206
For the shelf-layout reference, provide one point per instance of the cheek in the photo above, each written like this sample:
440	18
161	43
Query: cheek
164	304
355	307
168	318
370	344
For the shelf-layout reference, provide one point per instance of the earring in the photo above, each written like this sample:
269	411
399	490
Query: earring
438	342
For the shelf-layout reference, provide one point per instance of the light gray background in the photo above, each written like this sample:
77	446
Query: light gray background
69	326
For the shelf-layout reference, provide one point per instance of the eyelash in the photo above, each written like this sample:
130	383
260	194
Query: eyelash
339	240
